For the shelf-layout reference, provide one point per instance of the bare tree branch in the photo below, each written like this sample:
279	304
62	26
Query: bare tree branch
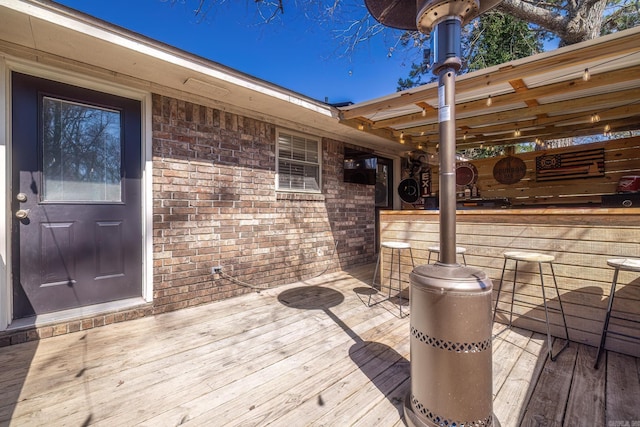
534	14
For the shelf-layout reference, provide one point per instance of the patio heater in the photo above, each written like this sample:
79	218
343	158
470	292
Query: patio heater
451	372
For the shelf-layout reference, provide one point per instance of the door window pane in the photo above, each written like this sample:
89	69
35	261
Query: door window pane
81	152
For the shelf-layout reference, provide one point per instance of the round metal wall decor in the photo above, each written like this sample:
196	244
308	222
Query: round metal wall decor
466	174
409	190
509	170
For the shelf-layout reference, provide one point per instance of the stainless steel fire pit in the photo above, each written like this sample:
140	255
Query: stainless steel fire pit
451	374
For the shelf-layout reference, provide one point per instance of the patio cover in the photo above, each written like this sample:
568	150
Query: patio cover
543	97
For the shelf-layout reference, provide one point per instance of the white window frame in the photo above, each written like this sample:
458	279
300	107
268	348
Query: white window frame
318	164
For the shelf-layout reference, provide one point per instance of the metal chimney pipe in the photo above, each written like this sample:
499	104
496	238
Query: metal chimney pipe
447	155
446	42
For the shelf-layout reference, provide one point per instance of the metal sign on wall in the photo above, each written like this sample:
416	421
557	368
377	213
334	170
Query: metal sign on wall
425	182
509	170
575	164
466	175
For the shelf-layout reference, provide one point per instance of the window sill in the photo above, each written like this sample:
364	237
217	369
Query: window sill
313	197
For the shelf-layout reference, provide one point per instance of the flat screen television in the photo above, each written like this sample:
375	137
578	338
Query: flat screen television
360	167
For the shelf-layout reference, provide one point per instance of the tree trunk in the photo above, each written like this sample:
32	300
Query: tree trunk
582	20
585	23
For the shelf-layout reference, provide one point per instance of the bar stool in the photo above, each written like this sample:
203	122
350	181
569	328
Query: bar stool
436	249
625	264
394	246
539	258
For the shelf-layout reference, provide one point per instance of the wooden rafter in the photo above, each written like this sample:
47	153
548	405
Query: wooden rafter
540	95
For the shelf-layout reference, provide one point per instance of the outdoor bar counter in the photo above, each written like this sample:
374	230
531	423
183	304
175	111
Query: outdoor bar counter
581	239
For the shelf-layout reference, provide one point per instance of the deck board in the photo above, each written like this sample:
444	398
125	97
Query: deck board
310	353
586	399
549	399
623	389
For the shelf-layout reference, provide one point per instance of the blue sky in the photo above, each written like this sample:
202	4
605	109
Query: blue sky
291	52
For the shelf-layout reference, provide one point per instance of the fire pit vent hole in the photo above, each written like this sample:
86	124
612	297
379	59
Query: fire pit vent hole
455	347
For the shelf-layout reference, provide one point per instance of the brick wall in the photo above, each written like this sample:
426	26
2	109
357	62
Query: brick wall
215	204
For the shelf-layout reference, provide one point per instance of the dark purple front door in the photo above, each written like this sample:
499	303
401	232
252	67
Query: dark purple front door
76	196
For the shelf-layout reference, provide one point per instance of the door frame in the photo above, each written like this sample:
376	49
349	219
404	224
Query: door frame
7	66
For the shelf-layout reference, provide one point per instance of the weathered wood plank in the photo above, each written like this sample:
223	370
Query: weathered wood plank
513	396
549	399
330	377
623	388
586	399
506	352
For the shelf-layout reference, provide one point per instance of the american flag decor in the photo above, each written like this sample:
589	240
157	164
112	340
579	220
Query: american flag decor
576	164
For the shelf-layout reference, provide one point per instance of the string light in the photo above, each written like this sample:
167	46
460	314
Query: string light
489	101
424	112
401	137
360	126
586	76
595	118
516	133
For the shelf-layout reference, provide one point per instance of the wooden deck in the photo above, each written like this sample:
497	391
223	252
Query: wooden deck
306	354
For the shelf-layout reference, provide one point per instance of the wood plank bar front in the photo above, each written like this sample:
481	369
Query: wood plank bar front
580	239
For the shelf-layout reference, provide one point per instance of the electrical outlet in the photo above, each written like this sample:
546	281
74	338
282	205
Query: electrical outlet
216	270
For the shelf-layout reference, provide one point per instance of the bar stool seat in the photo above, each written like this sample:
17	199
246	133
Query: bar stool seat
436	249
624	264
521	256
393	246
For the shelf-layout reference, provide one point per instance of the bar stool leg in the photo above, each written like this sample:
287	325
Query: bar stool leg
373	282
400	278
564	319
513	293
605	327
464	259
390	271
399	283
495	309
546	313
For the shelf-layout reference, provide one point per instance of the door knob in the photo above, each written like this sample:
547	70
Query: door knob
22	213
21	197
